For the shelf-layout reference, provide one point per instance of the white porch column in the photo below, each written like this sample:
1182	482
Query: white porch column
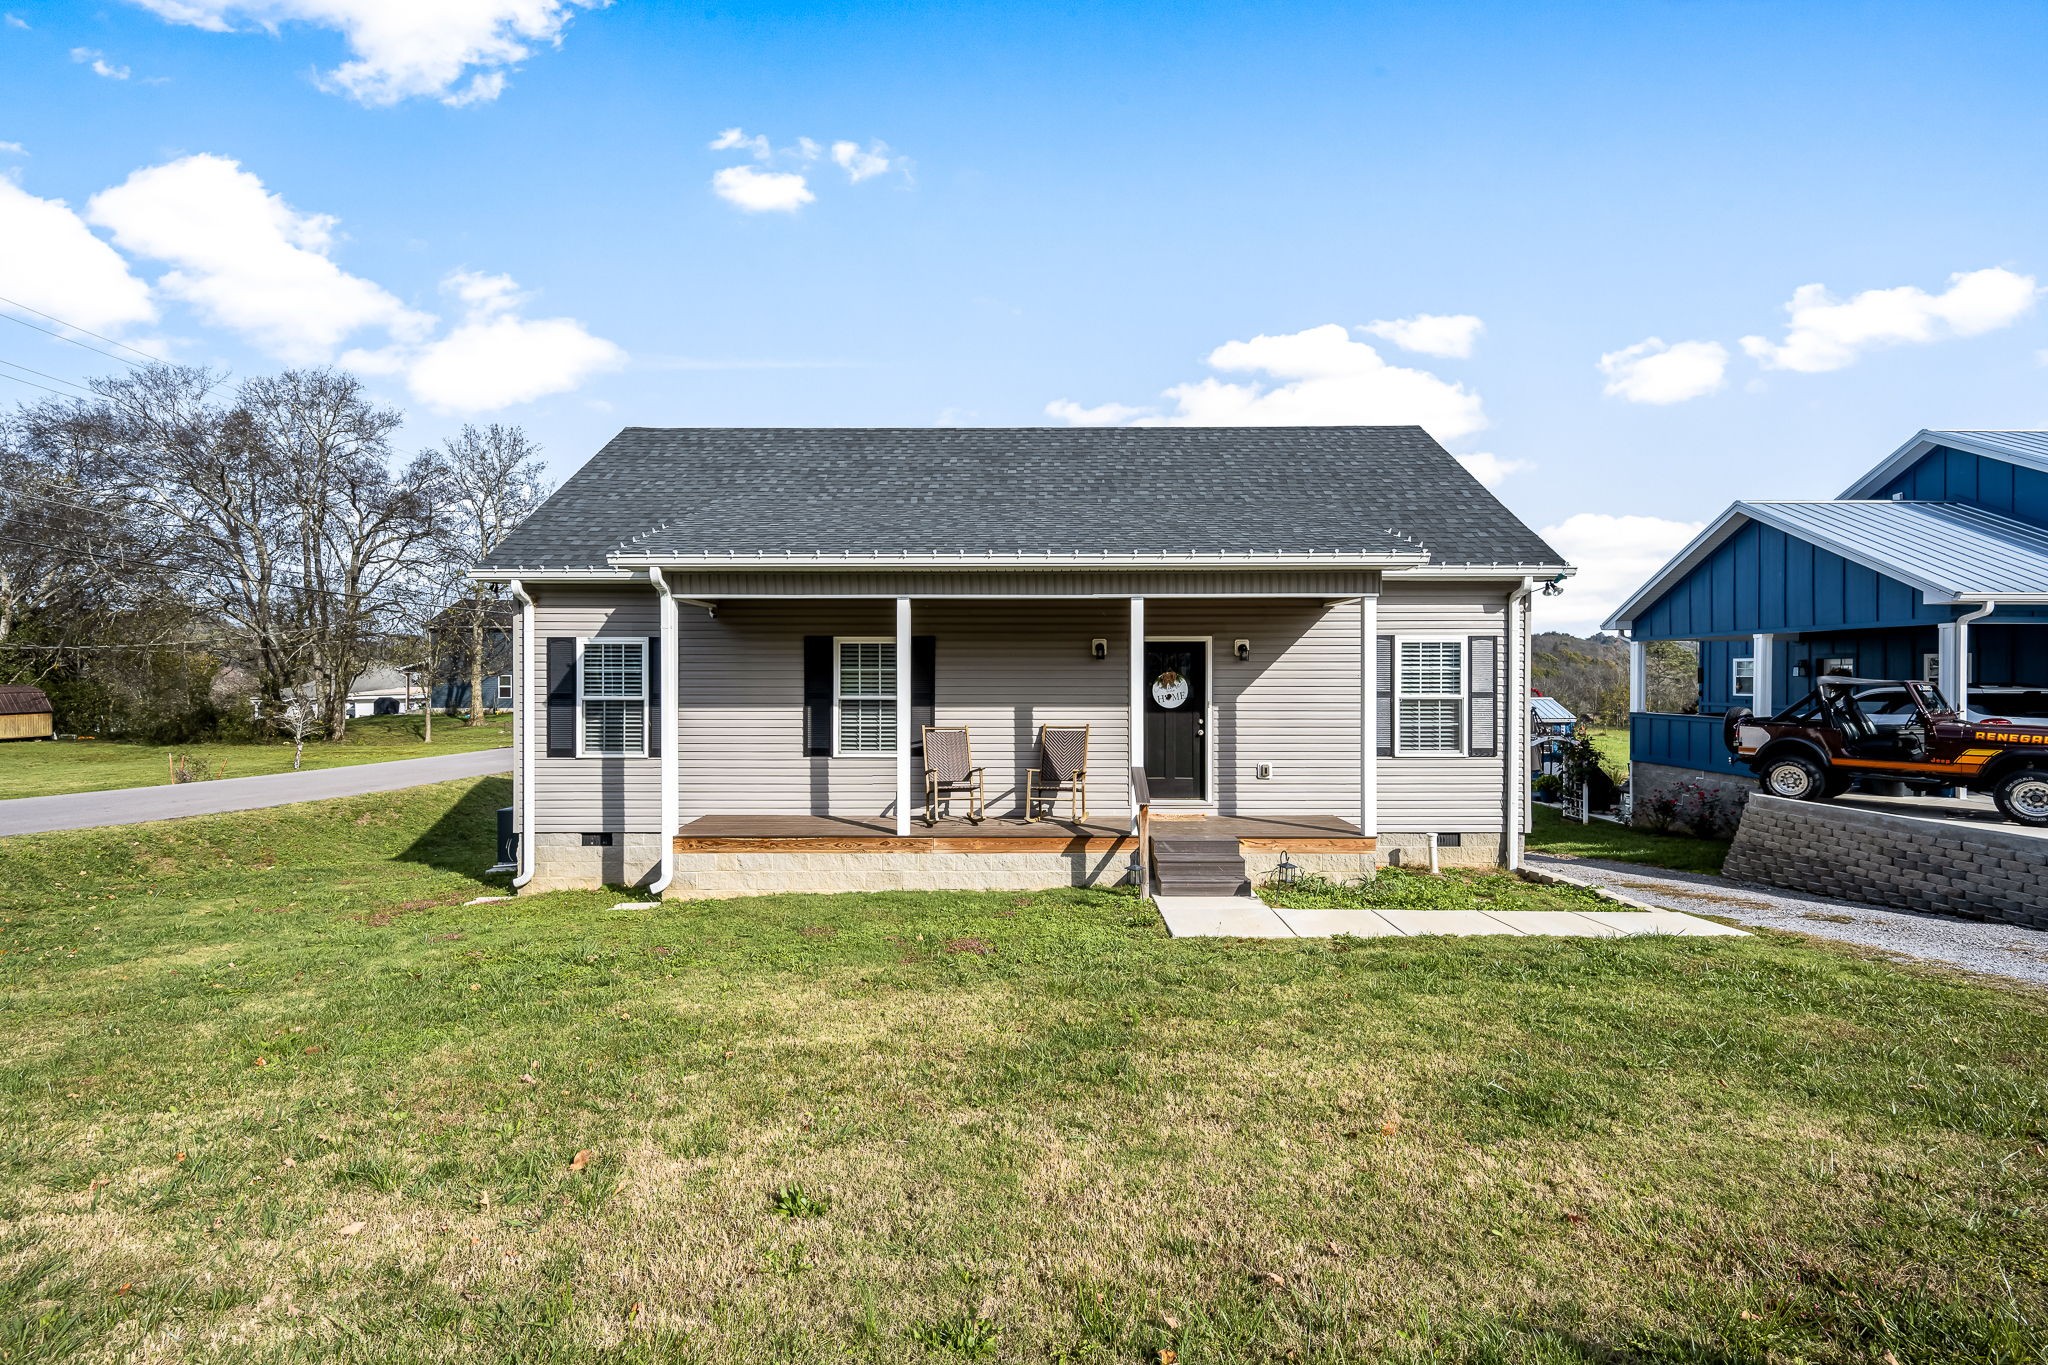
1948	636
1638	677
671	803
1763	696
1137	721
902	717
1369	715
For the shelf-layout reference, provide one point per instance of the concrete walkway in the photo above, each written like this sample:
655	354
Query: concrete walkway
1974	945
134	805
1249	917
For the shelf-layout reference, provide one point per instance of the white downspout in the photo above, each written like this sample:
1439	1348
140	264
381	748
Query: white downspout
667	720
1517	747
527	864
1962	680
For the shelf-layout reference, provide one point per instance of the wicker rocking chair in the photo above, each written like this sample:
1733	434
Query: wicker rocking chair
1062	766
949	771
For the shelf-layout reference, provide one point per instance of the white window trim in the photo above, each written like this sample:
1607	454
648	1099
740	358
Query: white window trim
838	696
1735	687
504	686
646	643
1463	697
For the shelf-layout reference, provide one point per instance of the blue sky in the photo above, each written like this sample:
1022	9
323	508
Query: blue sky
1114	213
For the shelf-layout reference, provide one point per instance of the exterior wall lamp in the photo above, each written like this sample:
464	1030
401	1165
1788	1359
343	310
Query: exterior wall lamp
1099	648
1244	651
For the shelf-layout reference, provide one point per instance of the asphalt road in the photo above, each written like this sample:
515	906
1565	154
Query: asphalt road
134	805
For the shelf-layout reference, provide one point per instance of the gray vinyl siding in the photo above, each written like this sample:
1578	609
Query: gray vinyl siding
590	794
1423	794
1002	670
1293	704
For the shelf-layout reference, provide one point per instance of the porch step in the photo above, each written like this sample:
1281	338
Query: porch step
1199	867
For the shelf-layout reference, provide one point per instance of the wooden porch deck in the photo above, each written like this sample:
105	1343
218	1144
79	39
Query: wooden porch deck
841	834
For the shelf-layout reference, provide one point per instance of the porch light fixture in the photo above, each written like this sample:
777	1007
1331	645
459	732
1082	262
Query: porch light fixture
1287	874
1099	648
1244	651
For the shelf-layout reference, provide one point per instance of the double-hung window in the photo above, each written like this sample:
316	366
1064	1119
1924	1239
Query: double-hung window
1745	678
864	696
1429	695
612	692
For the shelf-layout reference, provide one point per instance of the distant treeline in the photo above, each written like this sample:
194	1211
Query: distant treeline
1590	675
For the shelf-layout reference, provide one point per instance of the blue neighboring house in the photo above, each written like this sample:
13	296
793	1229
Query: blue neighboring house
1937	555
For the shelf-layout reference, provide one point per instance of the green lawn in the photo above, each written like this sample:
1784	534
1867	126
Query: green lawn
1398	889
1602	839
45	768
1611	742
269	1090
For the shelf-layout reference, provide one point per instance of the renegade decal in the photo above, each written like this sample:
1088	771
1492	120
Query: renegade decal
2011	736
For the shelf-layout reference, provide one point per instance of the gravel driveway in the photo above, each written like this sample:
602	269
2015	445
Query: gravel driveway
1995	949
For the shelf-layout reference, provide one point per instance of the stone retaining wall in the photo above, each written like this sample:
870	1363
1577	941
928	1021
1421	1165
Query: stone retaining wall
1905	862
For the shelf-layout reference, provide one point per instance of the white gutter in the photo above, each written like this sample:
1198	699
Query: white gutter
1299	560
1517	745
525	820
669	673
1962	679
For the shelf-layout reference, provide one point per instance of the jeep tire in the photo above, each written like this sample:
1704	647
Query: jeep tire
1794	777
2022	797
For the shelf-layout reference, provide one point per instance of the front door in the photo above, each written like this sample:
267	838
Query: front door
1177	719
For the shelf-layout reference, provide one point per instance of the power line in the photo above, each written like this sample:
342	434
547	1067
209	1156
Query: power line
55	379
76	328
32	383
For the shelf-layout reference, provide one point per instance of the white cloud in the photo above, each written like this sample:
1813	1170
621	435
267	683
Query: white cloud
247	260
736	140
1491	469
1448	335
1324	378
758	191
1827	333
1652	372
404	49
14	20
12	149
54	264
1615	555
860	165
1101	415
99	63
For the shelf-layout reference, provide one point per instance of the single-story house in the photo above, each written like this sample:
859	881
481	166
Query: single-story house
1289	640
25	713
1933	565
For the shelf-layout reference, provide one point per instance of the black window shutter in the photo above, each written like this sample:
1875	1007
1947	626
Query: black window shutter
1483	698
818	696
1385	670
561	697
654	697
924	688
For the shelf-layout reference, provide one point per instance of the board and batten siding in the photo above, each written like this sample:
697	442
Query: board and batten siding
1435	794
575	795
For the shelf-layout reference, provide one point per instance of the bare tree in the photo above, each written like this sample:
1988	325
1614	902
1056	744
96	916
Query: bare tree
491	480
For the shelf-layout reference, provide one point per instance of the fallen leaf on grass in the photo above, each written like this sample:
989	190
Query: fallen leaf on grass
528	1078
1167	1355
580	1160
351	1229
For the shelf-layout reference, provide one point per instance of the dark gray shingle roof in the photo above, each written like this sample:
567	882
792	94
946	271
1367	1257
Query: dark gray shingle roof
1021	490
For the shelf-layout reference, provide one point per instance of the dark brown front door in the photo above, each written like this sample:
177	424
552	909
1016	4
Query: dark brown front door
1177	719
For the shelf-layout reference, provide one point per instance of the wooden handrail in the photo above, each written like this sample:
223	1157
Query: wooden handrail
1141	799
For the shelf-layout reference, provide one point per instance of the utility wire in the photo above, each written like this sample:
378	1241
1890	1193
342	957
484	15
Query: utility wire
32	383
12	303
55	379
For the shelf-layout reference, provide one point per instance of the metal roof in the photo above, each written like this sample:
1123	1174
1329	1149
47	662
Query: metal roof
1390	495
1950	551
2028	448
1550	709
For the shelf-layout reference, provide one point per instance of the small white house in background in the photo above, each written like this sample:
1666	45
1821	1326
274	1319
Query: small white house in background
384	691
1291	642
